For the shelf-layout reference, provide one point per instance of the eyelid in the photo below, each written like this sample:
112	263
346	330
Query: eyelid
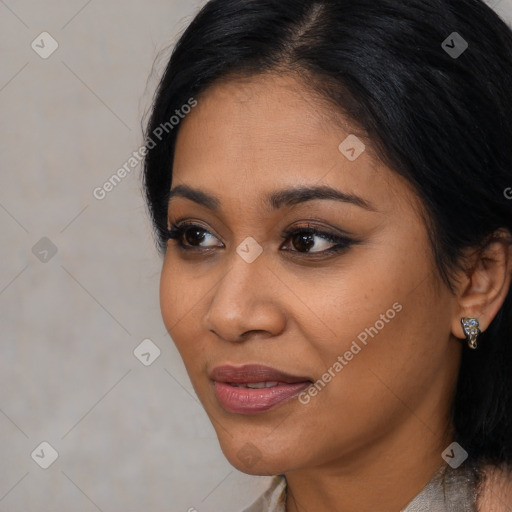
185	222
309	226
340	240
331	232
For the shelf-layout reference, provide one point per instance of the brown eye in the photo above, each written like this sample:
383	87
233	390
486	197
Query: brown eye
191	236
310	240
303	242
194	236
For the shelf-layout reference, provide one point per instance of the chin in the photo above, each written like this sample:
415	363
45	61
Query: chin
250	459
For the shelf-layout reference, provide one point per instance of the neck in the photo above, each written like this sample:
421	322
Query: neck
386	477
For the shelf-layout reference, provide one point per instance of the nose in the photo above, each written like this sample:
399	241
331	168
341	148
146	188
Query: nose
246	303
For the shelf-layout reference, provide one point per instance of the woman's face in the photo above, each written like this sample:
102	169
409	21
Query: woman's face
369	323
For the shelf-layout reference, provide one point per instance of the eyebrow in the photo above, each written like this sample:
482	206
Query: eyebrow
276	200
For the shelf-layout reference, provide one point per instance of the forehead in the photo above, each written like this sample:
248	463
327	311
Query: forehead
249	137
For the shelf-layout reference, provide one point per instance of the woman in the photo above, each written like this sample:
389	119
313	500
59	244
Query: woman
330	191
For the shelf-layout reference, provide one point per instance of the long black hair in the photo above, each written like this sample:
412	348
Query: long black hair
429	82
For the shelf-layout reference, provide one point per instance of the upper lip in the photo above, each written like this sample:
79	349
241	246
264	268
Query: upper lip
252	373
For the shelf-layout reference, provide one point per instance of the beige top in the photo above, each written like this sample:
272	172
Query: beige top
273	499
449	490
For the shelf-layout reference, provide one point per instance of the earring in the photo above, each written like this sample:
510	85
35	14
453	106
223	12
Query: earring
470	326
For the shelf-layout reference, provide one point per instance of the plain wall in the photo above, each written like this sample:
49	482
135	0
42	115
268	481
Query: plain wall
129	437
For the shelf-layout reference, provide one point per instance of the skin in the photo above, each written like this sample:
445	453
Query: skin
378	428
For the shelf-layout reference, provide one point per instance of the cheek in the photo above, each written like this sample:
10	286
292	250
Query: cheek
181	297
386	341
170	285
361	298
380	313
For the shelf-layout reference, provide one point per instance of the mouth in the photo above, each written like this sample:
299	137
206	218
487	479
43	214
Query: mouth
253	389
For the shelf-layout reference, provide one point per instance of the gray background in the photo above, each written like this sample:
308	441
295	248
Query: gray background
130	437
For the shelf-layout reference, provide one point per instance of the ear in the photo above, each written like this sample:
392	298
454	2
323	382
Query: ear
485	283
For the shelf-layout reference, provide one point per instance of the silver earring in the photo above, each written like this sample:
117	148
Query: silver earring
470	326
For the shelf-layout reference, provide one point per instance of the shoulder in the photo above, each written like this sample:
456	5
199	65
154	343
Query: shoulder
495	493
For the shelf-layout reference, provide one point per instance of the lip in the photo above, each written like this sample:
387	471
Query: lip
254	400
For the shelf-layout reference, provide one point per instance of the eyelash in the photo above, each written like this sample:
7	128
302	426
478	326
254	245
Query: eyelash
342	243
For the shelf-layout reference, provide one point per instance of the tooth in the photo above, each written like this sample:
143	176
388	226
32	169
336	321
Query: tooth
260	385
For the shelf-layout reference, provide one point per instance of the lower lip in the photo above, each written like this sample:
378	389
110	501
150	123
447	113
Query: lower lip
253	401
